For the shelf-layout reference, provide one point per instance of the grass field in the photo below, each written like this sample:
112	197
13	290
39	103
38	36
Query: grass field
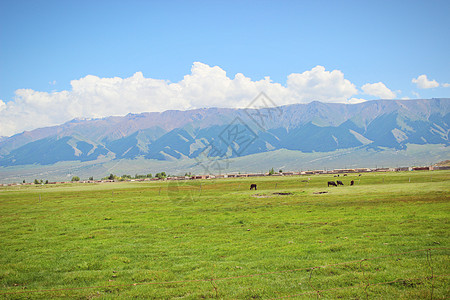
218	239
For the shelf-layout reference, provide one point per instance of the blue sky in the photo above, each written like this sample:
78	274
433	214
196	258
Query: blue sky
45	45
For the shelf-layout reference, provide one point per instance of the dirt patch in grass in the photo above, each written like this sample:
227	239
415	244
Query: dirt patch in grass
261	196
272	194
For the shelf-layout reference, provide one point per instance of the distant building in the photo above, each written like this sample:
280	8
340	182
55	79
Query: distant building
340	171
399	169
256	175
421	168
440	168
288	173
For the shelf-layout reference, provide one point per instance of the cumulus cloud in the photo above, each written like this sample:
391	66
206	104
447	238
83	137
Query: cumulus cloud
321	85
423	82
446	84
379	90
205	86
356	100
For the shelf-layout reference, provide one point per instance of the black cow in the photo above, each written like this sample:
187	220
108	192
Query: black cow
339	182
352	182
253	186
332	183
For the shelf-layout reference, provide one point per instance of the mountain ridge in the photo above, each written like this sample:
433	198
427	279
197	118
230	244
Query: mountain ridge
175	135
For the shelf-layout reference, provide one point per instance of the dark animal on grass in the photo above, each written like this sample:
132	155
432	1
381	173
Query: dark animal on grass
332	183
253	186
339	182
352	182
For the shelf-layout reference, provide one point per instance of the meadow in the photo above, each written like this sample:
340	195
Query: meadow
386	237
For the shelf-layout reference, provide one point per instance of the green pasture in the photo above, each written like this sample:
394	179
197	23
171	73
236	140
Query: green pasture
386	237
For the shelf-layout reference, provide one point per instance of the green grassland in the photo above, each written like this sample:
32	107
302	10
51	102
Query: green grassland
218	239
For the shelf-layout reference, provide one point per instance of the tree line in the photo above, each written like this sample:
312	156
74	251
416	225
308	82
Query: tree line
124	177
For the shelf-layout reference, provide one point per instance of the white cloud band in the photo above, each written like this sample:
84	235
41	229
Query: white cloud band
94	97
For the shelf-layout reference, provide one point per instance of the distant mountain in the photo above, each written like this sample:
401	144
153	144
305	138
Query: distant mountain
445	163
193	134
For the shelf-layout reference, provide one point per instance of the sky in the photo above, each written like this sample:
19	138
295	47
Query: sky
61	60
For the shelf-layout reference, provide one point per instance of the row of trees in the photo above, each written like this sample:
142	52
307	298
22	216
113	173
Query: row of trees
111	176
36	181
124	177
271	171
41	181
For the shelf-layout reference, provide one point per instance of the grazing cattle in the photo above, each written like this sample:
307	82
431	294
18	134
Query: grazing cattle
332	183
352	182
345	174
339	182
253	186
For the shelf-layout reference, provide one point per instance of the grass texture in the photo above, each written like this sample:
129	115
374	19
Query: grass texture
386	237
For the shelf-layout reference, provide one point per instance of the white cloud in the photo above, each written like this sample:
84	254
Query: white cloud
423	82
321	85
205	86
446	84
417	95
356	100
379	90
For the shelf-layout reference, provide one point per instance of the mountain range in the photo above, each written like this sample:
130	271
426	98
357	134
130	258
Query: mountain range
201	134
